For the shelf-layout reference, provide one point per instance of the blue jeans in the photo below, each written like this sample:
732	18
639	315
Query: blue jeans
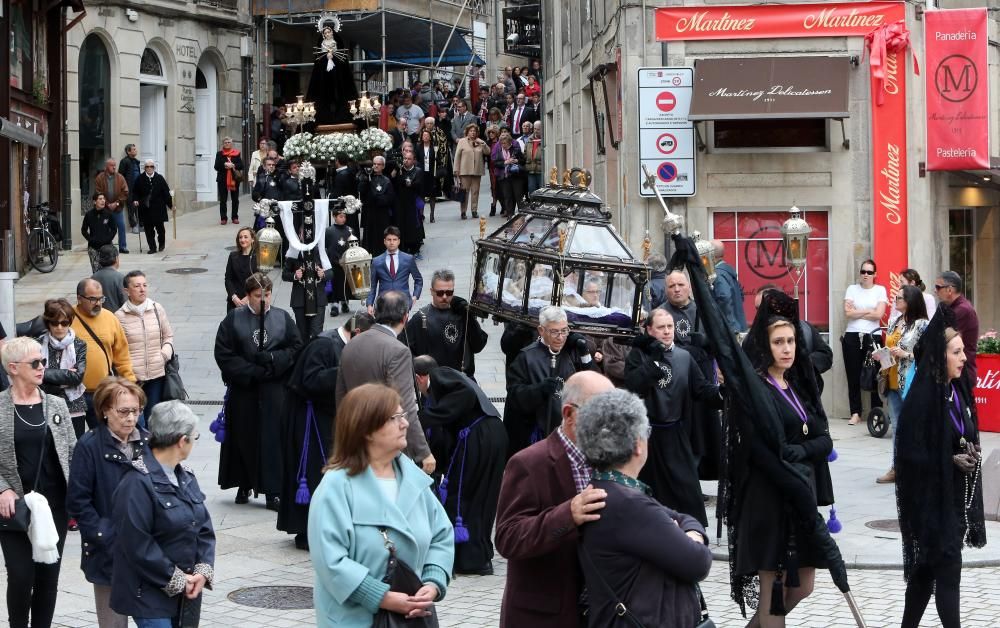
154	395
895	407
159	622
534	181
122	237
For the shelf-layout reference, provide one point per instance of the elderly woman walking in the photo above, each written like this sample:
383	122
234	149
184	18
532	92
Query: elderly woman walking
640	559
153	199
37	447
101	458
164	550
150	339
470	156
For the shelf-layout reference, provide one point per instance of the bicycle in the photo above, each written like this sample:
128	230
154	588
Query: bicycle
43	246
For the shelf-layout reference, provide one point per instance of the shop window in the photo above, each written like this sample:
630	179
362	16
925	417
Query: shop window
21	38
962	247
95	113
150	64
754	248
798	133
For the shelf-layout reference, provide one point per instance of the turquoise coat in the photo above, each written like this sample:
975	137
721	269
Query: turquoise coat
345	516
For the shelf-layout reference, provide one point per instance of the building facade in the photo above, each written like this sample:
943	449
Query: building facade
750	166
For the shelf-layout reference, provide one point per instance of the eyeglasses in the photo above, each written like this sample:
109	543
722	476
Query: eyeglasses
867	272
35	364
196	436
128	411
558	333
938	288
94	300
398	417
60	324
150	166
444	293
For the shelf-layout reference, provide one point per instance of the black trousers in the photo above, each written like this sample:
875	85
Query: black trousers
309	326
943	580
505	192
32	587
856	347
234	195
155	229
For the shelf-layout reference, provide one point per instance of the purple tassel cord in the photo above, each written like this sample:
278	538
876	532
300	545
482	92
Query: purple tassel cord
834	525
461	532
218	426
833	456
302	495
443	489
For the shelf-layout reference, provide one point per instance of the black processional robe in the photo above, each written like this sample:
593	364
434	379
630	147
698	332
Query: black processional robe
379	210
336	243
256	379
408	186
669	381
471	463
313	380
451	337
534	393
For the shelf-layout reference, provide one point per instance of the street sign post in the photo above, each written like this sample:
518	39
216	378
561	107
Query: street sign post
666	136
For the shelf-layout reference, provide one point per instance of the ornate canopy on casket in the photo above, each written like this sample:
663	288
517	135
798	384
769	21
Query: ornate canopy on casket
561	250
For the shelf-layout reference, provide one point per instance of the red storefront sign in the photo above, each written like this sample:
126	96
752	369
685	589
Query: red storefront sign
958	94
988	392
843	19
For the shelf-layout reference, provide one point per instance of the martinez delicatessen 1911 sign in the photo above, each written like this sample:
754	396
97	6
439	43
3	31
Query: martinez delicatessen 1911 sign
666	136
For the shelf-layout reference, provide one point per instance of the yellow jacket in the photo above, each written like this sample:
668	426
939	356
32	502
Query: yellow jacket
112	341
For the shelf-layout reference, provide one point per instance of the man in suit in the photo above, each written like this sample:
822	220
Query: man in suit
521	113
460	120
377	356
544	497
393	269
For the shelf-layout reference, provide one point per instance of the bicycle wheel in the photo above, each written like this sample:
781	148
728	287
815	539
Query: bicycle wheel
43	251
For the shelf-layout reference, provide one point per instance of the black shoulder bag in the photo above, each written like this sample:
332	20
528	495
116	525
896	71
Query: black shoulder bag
173	385
111	369
22	514
402	579
622	611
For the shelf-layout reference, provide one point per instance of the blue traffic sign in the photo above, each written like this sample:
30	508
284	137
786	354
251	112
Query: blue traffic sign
667	172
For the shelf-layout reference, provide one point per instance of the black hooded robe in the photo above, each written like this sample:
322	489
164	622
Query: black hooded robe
669	381
331	89
453	403
451	336
378	200
408	186
314	378
257	379
336	243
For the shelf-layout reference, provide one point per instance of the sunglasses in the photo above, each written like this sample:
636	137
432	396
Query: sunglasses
444	293
35	364
94	300
938	287
59	324
867	272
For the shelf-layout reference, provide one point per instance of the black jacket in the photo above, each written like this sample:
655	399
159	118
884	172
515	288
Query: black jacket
163	532
266	185
55	378
220	166
345	183
154	198
97	468
98	228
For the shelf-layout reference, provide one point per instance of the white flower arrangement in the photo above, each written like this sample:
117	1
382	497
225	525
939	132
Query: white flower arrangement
323	147
376	139
298	146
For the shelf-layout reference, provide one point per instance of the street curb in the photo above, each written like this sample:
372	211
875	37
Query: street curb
723	556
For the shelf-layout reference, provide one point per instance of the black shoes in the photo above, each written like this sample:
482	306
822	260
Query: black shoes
485	570
151	252
242	496
302	542
333	310
344	308
123	251
272	502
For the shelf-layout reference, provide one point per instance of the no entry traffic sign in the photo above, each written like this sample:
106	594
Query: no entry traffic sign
667	172
666	101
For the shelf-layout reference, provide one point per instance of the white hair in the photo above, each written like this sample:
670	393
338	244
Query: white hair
17	349
552	314
608	426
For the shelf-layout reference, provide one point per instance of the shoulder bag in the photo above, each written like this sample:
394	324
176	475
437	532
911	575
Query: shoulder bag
111	368
401	579
869	370
622	611
173	385
22	514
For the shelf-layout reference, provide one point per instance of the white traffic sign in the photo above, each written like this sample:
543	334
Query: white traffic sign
666	136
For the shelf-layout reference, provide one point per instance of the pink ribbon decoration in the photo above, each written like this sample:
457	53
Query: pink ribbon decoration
887	38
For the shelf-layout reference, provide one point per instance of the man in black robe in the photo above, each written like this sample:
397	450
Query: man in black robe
345	183
534	387
311	406
267	185
255	365
472	458
445	329
378	201
408	184
668	379
337	236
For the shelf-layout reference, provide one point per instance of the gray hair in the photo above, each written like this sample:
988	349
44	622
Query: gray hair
657	262
168	422
552	314
17	349
953	279
442	274
227	139
608	426
391	308
149	162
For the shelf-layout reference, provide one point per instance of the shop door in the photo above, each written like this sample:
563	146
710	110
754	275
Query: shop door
754	248
153	122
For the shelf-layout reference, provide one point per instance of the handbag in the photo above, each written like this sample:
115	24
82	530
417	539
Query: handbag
401	579
22	514
173	385
621	610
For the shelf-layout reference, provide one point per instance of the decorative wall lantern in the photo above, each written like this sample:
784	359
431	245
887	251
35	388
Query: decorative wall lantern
795	237
268	245
357	265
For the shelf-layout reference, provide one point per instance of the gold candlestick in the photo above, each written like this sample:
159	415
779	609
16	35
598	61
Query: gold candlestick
482	227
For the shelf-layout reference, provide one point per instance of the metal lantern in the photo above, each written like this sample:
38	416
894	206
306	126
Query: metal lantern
357	265
707	254
268	245
795	236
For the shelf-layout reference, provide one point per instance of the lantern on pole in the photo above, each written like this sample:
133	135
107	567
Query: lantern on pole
707	254
268	245
357	265
795	237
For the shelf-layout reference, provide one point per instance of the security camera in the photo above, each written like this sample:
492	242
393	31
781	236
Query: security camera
513	38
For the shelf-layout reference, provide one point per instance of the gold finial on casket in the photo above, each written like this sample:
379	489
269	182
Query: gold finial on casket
554	176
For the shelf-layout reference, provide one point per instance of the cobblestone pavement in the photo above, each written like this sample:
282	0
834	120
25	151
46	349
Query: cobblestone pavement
252	553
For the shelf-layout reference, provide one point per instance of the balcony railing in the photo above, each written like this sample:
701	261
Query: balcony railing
224	5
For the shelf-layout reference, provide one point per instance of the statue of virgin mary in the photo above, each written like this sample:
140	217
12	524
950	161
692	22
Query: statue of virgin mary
331	84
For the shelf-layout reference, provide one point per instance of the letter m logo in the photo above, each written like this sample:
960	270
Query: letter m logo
956	78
